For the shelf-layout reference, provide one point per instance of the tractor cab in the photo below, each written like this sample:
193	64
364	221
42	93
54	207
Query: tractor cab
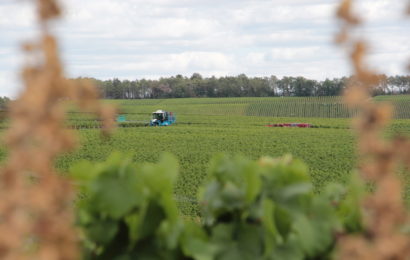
159	115
162	118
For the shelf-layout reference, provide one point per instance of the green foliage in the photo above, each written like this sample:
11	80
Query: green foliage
128	210
267	210
262	209
347	199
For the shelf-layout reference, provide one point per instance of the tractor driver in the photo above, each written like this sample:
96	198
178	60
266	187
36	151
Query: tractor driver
159	117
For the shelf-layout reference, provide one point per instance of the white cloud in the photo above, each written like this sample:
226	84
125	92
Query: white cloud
187	62
381	10
154	38
9	84
16	14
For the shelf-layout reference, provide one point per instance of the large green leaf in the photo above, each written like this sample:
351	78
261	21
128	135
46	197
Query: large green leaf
113	195
102	231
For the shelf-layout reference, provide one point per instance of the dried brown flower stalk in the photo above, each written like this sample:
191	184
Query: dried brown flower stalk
408	8
384	209
408	14
35	211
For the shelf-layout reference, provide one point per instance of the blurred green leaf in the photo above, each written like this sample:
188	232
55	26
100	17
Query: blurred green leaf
102	231
250	210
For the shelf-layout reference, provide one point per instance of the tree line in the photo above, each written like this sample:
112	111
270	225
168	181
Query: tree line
3	102
239	86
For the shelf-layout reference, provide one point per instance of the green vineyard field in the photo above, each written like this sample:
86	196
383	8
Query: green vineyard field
233	126
324	107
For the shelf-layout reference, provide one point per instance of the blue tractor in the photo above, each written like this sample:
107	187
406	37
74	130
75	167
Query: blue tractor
162	118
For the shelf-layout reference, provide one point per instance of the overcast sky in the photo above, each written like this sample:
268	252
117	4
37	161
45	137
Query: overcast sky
136	39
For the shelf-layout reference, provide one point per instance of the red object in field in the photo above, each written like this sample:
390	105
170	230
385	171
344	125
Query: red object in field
302	125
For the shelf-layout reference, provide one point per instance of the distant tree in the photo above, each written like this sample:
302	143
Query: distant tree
303	87
211	87
330	87
196	76
401	84
4	102
240	86
285	86
273	85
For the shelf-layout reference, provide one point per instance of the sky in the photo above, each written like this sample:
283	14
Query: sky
134	39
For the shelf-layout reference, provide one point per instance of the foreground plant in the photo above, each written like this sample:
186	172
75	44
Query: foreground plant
380	159
35	211
262	209
266	209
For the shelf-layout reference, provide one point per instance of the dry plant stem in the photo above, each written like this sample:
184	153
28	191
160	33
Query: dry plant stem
408	8
384	209
408	14
35	213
